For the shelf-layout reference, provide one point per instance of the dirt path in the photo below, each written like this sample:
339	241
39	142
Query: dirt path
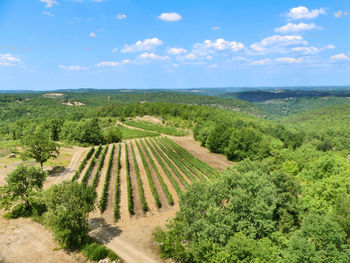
24	241
134	185
77	157
152	207
164	176
217	161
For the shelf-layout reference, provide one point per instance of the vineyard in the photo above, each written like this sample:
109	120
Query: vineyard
138	176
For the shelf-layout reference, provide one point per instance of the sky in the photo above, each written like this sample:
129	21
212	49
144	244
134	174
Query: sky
168	44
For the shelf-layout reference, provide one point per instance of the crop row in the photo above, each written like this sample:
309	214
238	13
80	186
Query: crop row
189	165
176	160
149	176
83	163
139	182
165	169
170	164
200	165
164	186
116	194
103	200
128	181
91	165
99	168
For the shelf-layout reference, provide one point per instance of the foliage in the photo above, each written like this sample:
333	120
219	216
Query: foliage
128	133
39	146
99	167
22	183
68	205
96	252
112	134
157	127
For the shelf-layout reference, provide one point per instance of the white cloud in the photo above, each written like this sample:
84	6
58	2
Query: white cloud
340	13
261	62
115	49
190	56
121	16
306	50
217	45
291	27
215	28
49	3
9	60
112	63
330	46
147	55
170	17
73	67
277	43
92	34
47	13
338	57
145	45
176	51
289	60
303	12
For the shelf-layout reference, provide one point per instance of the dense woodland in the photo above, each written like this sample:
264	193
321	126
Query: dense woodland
286	199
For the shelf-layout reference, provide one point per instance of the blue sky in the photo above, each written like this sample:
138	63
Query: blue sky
125	44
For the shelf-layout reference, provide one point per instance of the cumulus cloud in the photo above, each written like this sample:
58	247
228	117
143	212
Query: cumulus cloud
215	28
9	60
49	3
292	28
289	60
340	13
302	12
121	16
176	51
311	50
170	17
261	62
73	67
145	45
112	63
277	43
92	34
190	56
147	55
218	45
339	57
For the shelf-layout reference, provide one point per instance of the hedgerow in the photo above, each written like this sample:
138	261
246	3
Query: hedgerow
103	200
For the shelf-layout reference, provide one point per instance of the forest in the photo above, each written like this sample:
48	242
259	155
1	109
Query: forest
285	199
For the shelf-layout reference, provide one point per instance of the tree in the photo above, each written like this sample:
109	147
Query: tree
21	184
112	134
68	205
39	146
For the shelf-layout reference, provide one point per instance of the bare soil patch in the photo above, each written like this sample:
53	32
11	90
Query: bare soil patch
22	240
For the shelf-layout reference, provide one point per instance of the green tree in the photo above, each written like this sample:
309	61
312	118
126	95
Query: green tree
21	184
68	205
112	134
40	147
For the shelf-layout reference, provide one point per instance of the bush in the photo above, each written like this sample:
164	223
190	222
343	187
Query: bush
95	251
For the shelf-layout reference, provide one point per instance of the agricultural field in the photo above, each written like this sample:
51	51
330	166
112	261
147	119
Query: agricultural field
138	177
